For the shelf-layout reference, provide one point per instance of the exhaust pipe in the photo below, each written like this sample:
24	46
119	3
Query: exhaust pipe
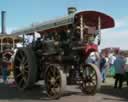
71	10
3	30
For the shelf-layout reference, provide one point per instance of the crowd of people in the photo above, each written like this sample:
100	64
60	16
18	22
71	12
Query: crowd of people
113	64
117	66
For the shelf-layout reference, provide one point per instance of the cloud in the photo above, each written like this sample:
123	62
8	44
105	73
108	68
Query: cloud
113	38
119	23
117	36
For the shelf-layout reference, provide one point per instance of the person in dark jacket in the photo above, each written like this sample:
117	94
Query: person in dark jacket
103	68
119	64
4	69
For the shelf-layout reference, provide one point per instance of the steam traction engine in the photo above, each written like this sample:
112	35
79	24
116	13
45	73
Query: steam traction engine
59	56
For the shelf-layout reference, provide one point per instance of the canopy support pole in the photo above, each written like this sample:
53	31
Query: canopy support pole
81	28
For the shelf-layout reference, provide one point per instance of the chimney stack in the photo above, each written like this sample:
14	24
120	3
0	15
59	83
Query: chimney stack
3	30
71	10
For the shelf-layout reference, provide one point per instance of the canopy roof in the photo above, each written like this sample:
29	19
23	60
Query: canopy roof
91	18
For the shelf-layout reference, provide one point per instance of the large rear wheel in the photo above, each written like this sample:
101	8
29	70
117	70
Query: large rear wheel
91	79
55	81
25	68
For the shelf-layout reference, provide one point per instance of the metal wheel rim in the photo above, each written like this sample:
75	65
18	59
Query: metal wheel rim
53	82
89	80
21	69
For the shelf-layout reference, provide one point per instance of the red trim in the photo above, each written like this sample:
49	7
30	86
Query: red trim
91	18
90	48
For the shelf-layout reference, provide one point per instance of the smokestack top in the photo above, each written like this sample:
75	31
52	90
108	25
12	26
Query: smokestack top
71	10
3	11
3	31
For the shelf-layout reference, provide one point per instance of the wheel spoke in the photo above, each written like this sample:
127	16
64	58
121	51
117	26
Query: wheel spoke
18	59
54	72
26	71
26	66
21	53
50	89
20	74
50	73
58	77
94	79
53	91
16	67
56	90
21	82
89	83
25	79
87	71
93	74
24	61
93	83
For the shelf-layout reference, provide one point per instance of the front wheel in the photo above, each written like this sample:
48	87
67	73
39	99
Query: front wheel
55	81
91	79
25	68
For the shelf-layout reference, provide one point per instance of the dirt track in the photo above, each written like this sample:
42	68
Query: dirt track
72	94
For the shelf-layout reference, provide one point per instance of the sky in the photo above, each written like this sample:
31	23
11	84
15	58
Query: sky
22	13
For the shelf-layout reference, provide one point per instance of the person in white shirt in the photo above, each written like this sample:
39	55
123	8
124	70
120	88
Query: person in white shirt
126	64
112	58
93	58
126	68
